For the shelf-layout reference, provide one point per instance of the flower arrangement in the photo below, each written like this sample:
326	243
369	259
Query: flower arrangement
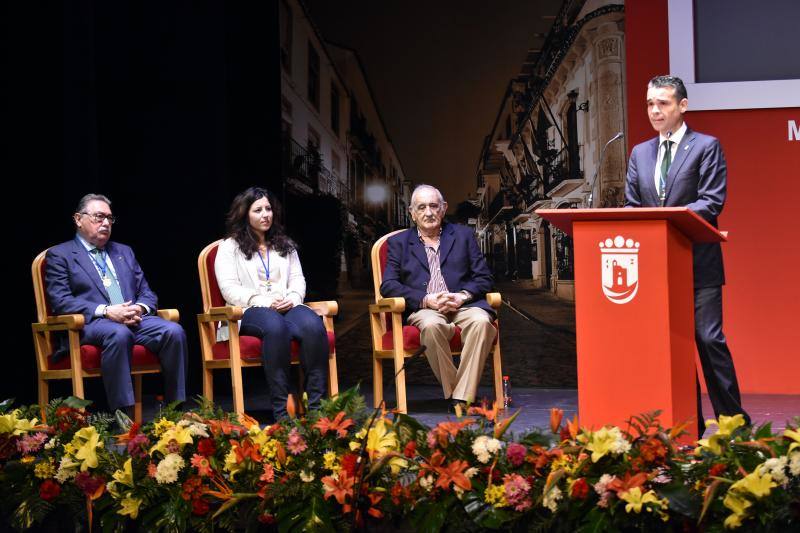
345	468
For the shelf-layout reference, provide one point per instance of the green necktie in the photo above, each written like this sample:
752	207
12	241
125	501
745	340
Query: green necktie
109	279
665	163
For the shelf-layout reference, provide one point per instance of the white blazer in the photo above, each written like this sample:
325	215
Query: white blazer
238	281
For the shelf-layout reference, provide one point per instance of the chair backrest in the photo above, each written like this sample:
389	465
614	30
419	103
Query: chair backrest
380	251
39	292
212	296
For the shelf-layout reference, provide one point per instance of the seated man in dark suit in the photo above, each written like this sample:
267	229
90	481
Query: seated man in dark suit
440	271
102	280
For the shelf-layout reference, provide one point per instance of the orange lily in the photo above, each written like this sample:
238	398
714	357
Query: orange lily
484	411
339	488
445	429
623	485
453	472
337	424
556	415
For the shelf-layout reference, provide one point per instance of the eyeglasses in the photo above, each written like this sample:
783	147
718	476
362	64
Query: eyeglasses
100	217
420	208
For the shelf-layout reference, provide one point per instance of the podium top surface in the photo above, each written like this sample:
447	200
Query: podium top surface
685	220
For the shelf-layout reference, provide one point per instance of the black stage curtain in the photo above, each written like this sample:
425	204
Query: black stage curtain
168	108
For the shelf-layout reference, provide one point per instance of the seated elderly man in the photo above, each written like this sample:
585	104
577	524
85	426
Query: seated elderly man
102	280
440	271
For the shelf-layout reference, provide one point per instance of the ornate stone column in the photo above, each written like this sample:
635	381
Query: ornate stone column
607	78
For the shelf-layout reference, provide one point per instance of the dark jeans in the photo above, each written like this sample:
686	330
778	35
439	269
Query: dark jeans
276	332
715	357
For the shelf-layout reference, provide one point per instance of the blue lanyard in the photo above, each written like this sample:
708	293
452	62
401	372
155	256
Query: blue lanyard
265	265
102	268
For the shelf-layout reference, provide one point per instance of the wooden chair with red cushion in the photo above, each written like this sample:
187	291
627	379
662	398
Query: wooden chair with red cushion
393	340
83	361
242	350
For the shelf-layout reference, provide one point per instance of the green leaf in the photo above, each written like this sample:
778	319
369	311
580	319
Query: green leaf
680	499
429	516
305	516
77	403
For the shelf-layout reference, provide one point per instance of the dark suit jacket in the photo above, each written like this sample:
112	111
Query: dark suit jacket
74	286
697	179
462	263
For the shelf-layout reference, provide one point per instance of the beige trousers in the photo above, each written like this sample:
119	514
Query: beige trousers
477	337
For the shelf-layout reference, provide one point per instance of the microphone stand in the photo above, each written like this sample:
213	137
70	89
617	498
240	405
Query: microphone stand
599	166
362	449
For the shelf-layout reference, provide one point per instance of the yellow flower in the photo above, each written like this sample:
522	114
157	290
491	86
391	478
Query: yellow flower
232	465
495	495
726	425
45	470
85	443
269	450
179	434
125	476
795	436
606	440
739	506
28	459
756	484
130	507
161	426
331	461
11	423
636	500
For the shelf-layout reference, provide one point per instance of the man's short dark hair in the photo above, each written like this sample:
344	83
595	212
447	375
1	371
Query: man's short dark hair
669	81
91	197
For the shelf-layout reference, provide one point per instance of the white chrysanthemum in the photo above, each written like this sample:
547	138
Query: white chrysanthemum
776	467
794	464
470	472
67	469
482	447
52	443
168	468
493	445
620	444
550	499
306	477
601	487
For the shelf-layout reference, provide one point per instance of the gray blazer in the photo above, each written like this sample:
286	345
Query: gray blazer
697	179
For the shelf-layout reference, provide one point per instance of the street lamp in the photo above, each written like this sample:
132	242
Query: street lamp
376	193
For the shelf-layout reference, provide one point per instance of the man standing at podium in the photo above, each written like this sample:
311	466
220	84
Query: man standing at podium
684	168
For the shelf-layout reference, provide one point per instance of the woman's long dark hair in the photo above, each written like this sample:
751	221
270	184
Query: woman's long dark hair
237	224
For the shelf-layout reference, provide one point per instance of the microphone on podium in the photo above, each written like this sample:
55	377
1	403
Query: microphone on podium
590	200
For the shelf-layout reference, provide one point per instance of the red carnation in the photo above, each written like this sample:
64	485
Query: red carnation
580	489
206	447
200	507
717	470
49	490
349	461
410	449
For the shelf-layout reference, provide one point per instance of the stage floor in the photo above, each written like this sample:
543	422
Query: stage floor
425	404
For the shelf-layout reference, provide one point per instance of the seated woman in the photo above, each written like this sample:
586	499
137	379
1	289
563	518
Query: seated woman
258	269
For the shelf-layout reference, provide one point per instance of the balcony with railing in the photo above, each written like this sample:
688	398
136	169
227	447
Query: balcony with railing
305	166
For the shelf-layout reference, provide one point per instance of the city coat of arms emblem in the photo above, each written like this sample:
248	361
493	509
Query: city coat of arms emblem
620	269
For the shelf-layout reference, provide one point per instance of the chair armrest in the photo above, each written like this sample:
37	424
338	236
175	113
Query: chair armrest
325	308
73	322
388	305
221	314
494	299
169	314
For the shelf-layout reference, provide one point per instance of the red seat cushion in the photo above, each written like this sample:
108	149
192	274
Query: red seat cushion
250	348
90	358
411	339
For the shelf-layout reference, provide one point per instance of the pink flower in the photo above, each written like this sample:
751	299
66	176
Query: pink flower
295	442
137	446
200	462
431	438
516	488
31	443
269	474
515	453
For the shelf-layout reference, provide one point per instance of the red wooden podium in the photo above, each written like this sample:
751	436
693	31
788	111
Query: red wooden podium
634	311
